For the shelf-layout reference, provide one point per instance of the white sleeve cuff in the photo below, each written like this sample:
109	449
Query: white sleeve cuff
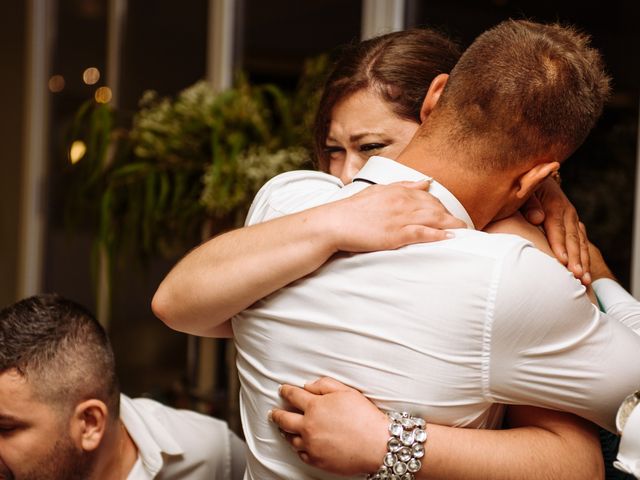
610	292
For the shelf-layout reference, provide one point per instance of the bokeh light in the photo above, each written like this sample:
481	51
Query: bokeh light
56	83
103	95
77	151
91	76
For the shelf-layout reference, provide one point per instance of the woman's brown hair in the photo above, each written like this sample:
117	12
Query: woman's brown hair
399	66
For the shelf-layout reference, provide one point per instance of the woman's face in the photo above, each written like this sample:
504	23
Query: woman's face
363	125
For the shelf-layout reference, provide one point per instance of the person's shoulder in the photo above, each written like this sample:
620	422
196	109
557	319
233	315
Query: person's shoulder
524	264
202	438
298	179
516	224
534	287
520	273
291	192
296	176
493	245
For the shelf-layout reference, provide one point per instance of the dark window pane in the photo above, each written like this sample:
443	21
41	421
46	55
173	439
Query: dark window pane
79	43
165	47
280	34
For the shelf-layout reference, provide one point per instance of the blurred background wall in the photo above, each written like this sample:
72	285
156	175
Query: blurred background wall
12	99
49	45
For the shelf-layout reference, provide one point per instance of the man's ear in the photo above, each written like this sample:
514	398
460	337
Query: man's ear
433	95
529	181
89	423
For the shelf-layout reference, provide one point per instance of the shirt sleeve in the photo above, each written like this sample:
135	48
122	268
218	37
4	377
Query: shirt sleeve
550	347
292	192
618	303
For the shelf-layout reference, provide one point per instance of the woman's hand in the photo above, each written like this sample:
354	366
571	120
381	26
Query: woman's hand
599	267
386	217
338	429
550	208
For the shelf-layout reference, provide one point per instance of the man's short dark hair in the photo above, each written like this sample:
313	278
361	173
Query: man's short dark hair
60	349
523	90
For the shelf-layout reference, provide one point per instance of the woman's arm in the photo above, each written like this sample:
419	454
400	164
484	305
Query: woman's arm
517	225
228	273
341	431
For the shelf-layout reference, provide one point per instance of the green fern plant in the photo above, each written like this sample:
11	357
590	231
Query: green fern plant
186	162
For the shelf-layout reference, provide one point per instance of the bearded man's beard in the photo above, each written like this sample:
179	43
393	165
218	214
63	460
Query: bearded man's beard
5	474
63	462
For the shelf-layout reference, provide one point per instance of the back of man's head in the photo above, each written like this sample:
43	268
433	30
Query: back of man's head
522	91
61	350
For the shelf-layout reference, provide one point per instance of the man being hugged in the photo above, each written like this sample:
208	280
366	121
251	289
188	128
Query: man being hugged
450	331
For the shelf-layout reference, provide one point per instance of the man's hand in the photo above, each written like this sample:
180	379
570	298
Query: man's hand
386	217
338	429
550	208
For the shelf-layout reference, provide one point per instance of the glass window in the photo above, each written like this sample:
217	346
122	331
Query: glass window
278	35
78	44
163	48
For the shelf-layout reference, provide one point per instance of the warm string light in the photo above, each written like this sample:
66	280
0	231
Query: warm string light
77	151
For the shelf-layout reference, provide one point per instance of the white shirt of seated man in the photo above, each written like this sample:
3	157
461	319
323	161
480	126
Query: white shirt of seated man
180	444
448	330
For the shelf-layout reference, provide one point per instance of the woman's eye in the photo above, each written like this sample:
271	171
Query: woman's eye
367	147
332	150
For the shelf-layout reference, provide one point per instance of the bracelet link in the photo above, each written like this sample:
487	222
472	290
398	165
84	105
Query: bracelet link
405	448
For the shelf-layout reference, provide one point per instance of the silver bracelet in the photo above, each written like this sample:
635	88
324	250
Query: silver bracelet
405	448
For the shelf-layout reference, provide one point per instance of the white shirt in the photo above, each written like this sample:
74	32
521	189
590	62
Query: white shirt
446	330
628	459
180	444
616	300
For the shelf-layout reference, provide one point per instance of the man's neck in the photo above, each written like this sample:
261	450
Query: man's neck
481	196
117	455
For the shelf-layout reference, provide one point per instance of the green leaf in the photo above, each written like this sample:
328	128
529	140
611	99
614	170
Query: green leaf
137	169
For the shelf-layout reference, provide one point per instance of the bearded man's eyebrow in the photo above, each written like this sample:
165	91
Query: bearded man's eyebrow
9	418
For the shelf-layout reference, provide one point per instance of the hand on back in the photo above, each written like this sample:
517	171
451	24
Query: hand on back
386	217
550	208
333	427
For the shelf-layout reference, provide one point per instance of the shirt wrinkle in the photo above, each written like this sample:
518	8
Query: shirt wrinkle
488	330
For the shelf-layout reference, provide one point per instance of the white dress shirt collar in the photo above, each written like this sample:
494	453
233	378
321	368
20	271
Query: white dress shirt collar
384	171
151	438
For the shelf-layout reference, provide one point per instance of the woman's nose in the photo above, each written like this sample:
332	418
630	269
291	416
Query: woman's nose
352	164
